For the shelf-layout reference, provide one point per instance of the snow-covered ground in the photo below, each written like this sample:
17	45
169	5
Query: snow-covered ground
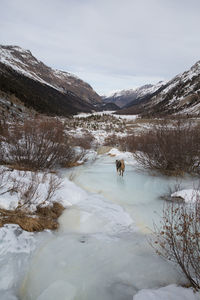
100	251
16	248
28	189
107	124
101	113
171	292
188	196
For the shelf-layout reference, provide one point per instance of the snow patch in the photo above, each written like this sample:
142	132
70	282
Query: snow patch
170	292
189	195
127	156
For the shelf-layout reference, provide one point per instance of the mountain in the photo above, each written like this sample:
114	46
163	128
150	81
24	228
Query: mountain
179	95
108	106
42	88
126	98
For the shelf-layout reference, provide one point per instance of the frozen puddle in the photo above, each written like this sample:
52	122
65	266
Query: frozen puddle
101	250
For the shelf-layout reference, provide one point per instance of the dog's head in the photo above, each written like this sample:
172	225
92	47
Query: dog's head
118	163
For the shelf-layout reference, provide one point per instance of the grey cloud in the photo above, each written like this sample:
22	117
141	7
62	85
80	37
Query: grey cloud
112	44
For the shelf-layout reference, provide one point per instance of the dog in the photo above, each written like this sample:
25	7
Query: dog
120	166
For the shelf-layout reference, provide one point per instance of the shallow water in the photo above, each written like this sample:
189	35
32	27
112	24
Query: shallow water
101	250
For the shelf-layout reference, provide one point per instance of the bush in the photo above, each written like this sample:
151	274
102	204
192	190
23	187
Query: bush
35	144
171	150
129	143
84	141
178	238
111	140
28	185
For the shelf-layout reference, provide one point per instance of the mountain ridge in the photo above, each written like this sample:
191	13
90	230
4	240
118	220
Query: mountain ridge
181	94
124	98
18	68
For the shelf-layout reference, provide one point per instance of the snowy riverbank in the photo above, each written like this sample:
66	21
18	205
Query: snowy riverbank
100	249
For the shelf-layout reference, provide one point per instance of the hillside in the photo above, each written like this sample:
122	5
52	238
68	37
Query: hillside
179	95
42	88
126	98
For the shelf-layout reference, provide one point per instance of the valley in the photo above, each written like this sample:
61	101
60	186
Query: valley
70	226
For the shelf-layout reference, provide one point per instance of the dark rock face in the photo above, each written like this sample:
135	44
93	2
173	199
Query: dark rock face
42	88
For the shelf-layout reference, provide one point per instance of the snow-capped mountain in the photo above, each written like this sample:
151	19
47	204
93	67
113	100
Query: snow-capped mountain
125	97
179	95
25	76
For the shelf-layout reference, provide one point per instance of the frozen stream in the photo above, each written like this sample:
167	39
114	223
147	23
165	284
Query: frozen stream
101	250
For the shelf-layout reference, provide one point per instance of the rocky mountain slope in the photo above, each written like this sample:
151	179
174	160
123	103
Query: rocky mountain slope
42	88
179	95
126	98
108	106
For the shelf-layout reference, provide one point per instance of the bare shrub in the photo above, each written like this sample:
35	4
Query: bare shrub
7	183
30	186
36	144
129	143
111	140
84	141
54	185
178	238
28	190
171	150
37	208
2	179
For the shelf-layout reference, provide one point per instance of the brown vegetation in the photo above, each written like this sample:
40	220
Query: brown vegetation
42	97
84	141
43	218
170	147
35	144
129	143
170	150
26	187
111	140
94	122
178	238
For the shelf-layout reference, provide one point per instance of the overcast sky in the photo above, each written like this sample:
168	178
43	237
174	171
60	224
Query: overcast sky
111	44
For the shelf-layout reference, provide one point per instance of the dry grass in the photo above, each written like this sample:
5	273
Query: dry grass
74	164
43	218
